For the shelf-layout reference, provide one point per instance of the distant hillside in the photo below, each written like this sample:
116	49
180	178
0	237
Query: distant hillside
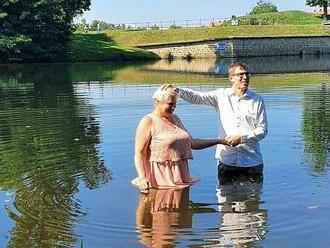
144	37
286	23
282	18
118	44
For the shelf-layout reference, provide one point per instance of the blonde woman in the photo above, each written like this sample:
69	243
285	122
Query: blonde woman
163	145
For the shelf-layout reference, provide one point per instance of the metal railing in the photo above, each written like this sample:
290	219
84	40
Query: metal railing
188	23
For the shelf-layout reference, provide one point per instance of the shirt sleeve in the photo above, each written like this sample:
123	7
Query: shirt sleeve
197	97
261	127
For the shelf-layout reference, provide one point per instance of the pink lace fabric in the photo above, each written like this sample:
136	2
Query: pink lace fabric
170	148
170	142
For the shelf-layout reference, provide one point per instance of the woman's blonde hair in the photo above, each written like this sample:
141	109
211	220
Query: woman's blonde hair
164	92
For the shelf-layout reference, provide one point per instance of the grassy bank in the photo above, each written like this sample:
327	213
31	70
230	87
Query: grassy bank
282	18
286	23
115	45
101	47
133	38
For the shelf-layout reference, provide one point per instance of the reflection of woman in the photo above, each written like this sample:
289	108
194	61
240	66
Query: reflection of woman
163	145
159	212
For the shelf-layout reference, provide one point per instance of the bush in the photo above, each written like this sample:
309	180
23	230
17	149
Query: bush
174	27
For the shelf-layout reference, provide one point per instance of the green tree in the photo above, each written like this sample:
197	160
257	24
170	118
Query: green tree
263	7
80	26
37	30
321	3
94	24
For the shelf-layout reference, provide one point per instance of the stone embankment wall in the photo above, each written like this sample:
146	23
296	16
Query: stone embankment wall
243	47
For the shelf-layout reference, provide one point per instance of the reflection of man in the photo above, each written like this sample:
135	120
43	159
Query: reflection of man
241	221
242	119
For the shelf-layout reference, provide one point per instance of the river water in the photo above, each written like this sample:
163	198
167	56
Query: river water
66	158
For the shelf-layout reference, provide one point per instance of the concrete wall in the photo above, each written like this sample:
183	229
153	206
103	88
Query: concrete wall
243	47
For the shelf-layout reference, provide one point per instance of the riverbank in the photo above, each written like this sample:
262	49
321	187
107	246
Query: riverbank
148	37
117	44
101	47
122	45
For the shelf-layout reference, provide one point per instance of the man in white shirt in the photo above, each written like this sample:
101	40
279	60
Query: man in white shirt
242	119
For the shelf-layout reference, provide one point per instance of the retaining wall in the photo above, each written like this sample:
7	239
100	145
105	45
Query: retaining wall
243	47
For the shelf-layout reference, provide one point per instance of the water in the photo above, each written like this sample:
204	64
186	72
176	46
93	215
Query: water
66	145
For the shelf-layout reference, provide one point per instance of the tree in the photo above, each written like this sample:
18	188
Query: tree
94	24
263	7
80	26
37	30
321	3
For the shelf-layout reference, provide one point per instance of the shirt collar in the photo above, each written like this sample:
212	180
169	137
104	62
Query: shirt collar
247	94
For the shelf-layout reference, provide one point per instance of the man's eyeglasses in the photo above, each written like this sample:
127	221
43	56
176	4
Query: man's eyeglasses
241	74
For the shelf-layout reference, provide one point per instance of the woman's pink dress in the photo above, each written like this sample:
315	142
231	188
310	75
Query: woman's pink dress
170	149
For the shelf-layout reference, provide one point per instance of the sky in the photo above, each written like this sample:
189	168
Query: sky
131	11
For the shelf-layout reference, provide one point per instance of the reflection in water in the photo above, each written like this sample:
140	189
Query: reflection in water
75	72
50	149
159	213
162	213
241	220
203	66
257	65
48	146
316	125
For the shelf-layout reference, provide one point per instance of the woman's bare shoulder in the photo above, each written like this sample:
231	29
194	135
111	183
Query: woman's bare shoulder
146	121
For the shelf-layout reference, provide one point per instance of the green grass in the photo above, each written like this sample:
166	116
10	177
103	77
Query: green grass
286	23
134	38
114	45
100	47
283	18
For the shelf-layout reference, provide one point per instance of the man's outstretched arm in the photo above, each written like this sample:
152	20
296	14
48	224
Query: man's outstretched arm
197	97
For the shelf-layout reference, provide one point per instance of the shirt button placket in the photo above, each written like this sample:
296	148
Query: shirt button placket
237	114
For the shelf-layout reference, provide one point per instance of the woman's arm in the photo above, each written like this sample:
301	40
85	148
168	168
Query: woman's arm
204	143
142	141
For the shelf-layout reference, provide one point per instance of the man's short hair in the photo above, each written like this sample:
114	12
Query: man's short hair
232	68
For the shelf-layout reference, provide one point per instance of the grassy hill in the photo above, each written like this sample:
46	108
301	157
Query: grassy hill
286	23
282	18
118	44
101	47
134	38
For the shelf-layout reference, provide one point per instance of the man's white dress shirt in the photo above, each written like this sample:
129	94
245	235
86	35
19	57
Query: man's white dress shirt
245	116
